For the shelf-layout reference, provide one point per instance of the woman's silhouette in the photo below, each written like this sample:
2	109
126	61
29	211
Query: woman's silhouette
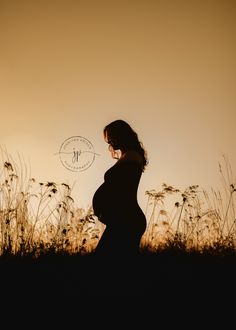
115	201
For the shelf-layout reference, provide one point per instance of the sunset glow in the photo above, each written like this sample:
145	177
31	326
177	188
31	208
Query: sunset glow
167	67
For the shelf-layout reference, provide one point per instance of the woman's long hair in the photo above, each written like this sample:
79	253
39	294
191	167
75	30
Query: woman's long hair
121	136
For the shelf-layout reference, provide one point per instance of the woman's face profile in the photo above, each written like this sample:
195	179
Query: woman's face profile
116	154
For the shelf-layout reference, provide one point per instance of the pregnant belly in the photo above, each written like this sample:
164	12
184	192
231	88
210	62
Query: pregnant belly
99	201
118	211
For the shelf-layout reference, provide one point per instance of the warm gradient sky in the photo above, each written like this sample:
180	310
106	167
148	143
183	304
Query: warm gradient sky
167	67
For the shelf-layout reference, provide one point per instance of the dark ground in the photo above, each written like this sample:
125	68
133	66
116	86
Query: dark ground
199	287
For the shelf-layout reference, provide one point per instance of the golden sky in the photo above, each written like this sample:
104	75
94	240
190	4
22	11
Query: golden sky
67	68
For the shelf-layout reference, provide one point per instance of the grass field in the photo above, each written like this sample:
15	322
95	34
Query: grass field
187	254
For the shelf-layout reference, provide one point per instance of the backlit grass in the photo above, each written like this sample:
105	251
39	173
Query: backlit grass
42	217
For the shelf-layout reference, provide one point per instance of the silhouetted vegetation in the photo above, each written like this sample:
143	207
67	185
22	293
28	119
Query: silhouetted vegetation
47	242
42	217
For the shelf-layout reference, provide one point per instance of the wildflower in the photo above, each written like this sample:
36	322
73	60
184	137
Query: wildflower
169	189
50	184
66	185
8	166
70	198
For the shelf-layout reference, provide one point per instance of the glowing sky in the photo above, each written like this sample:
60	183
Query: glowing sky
67	68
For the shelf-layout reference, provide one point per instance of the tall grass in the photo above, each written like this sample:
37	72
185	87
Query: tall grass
42	217
198	221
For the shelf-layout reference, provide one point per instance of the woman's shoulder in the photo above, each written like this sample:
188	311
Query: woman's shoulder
130	162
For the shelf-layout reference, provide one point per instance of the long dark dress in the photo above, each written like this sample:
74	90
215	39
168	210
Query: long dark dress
115	204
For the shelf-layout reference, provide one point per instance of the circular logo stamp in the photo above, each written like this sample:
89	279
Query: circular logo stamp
77	153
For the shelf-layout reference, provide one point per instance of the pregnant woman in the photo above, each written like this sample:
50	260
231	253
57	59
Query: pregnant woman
115	201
